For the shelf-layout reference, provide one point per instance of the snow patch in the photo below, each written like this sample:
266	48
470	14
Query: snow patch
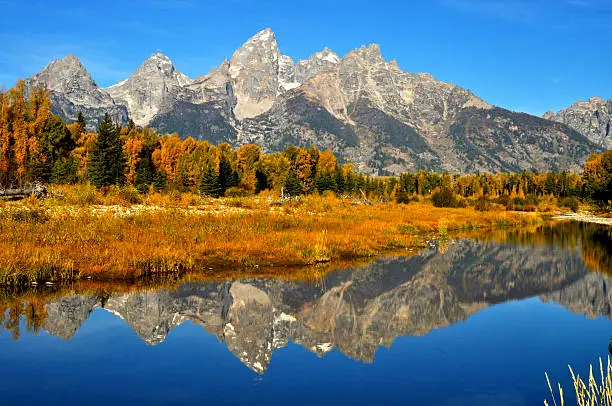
264	36
234	72
121	83
285	317
289	86
325	347
114	312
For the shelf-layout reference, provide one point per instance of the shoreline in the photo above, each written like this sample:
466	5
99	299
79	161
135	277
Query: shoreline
53	241
583	217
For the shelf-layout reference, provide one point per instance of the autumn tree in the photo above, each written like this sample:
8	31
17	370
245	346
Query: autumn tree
597	178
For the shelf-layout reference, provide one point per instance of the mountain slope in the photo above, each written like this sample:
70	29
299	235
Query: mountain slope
592	118
73	90
155	85
364	108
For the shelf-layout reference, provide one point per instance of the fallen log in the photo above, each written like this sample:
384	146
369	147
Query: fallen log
37	190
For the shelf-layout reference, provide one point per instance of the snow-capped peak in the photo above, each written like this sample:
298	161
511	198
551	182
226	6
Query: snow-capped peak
328	55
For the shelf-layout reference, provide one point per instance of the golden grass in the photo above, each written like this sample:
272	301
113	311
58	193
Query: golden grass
112	238
588	393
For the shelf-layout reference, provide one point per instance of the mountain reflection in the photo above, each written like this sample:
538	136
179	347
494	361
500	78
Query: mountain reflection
355	310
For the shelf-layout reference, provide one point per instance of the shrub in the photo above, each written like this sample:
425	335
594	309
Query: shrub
571	203
36	215
445	198
402	197
82	195
236	192
482	204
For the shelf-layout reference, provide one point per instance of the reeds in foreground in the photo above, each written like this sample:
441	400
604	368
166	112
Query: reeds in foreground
588	393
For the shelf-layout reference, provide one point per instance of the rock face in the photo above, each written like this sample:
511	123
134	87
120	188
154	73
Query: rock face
154	86
355	310
73	90
254	73
592	118
366	109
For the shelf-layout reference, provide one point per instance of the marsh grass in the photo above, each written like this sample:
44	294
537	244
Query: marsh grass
589	393
69	238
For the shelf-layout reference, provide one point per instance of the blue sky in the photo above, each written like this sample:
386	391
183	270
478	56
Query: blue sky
525	55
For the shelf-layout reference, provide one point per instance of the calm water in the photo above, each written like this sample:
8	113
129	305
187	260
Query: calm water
465	323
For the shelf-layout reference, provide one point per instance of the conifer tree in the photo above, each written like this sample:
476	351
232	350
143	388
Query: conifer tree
107	165
339	180
81	121
293	186
228	177
209	184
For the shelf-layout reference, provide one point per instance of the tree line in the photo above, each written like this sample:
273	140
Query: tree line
36	145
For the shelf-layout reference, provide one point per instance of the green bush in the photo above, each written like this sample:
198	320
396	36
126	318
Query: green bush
236	192
402	197
571	203
482	204
446	198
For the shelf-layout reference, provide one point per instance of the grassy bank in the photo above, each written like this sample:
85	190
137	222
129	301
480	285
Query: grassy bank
80	235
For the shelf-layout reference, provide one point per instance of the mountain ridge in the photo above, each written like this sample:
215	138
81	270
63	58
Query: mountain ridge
366	109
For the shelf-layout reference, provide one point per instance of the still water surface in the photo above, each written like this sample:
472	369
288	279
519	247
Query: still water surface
463	323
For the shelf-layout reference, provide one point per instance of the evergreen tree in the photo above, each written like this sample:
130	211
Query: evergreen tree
55	143
339	180
209	184
228	177
293	186
145	174
262	182
323	182
81	121
65	171
108	164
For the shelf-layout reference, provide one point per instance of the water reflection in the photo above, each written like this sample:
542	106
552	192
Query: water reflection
355	310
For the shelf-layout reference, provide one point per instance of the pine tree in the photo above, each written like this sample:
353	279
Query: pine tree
339	180
293	186
81	121
108	164
209	184
228	177
324	181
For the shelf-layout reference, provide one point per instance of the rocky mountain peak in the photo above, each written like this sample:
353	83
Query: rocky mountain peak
254	72
370	54
160	65
65	75
321	62
156	84
73	91
592	118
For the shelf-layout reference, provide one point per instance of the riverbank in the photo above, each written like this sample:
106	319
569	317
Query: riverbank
59	240
584	217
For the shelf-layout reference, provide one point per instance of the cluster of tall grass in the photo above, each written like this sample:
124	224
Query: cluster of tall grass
171	234
593	392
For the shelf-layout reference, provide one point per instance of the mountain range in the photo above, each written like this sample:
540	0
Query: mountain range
355	310
366	109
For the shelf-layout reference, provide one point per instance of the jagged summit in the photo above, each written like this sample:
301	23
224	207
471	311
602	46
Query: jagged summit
73	90
156	84
366	109
264	35
592	117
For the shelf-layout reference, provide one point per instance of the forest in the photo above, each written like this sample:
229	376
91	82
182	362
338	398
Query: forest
37	146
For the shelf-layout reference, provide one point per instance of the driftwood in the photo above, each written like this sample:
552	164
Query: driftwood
37	189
